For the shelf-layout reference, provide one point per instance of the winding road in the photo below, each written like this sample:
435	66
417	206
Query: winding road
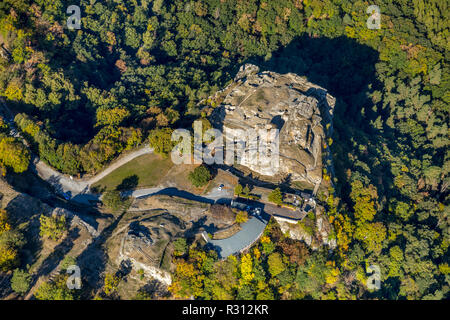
79	189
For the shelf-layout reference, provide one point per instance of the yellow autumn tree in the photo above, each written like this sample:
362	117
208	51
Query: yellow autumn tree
371	235
256	253
344	230
52	227
111	283
4	225
187	280
332	273
365	201
246	269
14	154
13	91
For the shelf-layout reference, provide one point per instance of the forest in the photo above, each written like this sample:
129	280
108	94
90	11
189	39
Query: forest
138	67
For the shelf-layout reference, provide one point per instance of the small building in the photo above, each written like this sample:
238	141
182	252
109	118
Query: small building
283	213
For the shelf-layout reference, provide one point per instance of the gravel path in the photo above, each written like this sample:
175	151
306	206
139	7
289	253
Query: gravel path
250	232
120	162
214	196
64	183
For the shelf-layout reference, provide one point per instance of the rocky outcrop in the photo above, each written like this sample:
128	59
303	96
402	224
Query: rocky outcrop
143	241
287	102
294	231
315	233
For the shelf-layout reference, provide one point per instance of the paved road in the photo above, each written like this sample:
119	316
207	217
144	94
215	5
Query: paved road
80	192
77	188
250	233
120	162
223	196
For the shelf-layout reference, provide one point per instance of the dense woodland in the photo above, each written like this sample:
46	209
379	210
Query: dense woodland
86	95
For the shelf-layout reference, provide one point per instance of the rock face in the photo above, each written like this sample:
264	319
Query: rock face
142	241
287	102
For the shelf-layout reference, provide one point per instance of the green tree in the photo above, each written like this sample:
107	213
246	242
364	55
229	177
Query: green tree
112	200
200	176
114	116
67	262
14	154
161	141
180	246
238	189
52	227
55	290
20	281
246	190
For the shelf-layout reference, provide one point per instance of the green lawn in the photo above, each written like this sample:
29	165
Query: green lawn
144	171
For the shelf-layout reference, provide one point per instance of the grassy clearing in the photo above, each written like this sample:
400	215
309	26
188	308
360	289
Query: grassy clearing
144	171
302	185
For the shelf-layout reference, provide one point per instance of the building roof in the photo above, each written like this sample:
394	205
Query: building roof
250	232
283	212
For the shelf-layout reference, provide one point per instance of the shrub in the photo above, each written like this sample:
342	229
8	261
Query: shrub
241	217
180	246
199	176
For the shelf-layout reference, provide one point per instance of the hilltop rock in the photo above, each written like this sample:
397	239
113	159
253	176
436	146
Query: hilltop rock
288	102
315	233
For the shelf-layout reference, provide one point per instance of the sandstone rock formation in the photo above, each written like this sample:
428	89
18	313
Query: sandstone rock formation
288	102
